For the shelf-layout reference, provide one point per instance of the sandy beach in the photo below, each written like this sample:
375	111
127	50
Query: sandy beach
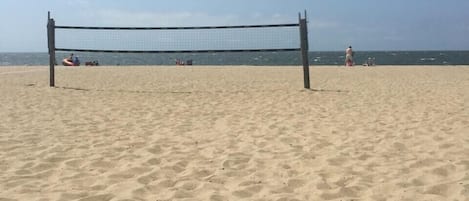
234	133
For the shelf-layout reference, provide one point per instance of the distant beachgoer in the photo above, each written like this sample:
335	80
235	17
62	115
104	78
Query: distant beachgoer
179	62
91	63
369	62
349	56
76	61
68	61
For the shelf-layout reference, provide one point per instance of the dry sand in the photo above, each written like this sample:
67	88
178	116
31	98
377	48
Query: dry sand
234	133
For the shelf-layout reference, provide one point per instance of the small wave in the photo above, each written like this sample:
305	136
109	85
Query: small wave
427	59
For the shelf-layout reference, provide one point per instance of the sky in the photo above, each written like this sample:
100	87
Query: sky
333	25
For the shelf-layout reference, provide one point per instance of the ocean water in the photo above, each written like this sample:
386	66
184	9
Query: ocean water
249	58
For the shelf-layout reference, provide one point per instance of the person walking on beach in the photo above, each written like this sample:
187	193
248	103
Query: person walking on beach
349	56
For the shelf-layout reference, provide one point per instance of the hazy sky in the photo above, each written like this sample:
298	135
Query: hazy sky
333	24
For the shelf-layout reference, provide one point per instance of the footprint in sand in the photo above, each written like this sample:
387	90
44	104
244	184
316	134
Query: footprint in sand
149	178
130	173
338	161
104	197
154	161
186	189
290	187
178	167
183	194
248	192
217	198
440	189
236	164
344	192
155	150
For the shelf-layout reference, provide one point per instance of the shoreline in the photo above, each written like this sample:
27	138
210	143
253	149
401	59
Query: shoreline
418	57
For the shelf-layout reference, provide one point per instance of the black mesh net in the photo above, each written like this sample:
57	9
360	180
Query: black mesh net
179	39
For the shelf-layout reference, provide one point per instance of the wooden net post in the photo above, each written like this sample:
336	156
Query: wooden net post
304	49
51	45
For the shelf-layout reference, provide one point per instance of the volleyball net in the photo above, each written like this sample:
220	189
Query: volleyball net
279	37
160	40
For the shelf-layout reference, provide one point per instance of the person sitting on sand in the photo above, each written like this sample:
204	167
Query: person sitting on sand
179	62
92	63
68	61
76	61
369	62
